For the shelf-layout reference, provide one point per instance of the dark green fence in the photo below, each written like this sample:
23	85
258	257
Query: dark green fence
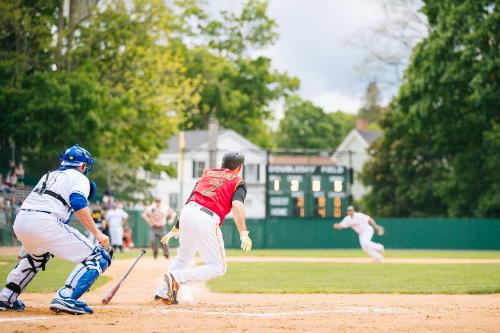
411	233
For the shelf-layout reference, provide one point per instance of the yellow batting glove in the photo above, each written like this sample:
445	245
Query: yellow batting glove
246	242
172	233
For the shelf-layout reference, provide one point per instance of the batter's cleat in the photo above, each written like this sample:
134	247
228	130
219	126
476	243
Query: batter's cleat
69	305
18	305
172	289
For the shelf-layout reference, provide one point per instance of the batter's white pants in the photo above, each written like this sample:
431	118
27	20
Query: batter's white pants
373	249
41	233
199	232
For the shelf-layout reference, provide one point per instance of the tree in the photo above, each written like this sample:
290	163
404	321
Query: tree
236	87
439	152
371	110
390	42
107	83
306	125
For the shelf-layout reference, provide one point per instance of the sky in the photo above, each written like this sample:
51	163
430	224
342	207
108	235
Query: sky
316	44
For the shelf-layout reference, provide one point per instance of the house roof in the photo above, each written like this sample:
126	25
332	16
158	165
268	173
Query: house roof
366	137
369	136
196	139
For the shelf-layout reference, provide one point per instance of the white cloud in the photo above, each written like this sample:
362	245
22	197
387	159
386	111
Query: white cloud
315	45
336	101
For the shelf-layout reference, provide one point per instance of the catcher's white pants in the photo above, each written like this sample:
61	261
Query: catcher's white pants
199	232
40	233
373	249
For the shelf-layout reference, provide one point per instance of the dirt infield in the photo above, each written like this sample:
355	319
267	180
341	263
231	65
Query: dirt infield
132	309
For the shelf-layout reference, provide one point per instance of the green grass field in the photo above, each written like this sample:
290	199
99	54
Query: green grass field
47	281
358	278
339	253
345	253
262	277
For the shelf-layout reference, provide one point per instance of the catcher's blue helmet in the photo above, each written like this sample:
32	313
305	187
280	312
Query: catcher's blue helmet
76	156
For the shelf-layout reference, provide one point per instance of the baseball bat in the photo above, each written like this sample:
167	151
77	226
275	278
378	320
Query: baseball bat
117	286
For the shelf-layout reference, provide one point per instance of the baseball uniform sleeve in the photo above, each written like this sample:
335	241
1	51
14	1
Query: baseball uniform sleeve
240	193
81	185
363	217
346	222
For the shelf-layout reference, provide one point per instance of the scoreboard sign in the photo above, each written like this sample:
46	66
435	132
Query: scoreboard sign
307	191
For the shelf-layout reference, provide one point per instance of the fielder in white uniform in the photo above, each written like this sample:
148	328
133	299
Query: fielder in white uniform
362	224
115	219
41	226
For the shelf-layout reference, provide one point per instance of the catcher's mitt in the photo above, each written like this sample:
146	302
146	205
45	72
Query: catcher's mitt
380	230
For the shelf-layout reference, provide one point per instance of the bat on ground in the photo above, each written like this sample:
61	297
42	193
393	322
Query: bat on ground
117	286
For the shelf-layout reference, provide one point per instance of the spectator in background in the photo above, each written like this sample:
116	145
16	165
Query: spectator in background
3	213
20	174
156	216
2	185
97	215
11	178
107	199
115	219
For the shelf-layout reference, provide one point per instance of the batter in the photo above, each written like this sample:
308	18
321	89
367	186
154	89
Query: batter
217	192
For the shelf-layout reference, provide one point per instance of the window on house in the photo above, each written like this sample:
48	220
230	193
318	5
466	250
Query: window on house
251	173
173	200
198	167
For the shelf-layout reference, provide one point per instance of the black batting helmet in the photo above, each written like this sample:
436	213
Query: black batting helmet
232	160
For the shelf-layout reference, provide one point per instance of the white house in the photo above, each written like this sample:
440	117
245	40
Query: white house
175	191
353	152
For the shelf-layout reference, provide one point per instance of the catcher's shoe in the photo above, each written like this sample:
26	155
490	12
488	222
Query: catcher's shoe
18	305
172	289
69	305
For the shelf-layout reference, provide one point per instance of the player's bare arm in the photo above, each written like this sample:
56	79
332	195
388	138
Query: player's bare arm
373	223
145	216
380	230
87	221
239	220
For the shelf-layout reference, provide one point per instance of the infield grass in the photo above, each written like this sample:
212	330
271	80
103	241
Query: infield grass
53	278
358	278
336	253
358	253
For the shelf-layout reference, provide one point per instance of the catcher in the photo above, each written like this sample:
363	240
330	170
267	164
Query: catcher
364	225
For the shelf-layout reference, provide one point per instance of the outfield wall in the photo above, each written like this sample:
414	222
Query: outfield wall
411	233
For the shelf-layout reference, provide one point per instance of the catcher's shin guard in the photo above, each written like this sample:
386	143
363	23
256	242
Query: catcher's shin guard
85	274
24	272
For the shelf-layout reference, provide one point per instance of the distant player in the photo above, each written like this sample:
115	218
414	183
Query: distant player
214	195
41	226
156	216
115	220
362	224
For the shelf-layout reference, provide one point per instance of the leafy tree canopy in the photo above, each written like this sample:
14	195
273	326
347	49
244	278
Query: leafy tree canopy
439	154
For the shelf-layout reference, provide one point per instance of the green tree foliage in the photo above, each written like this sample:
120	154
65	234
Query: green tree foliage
306	125
121	77
236	87
439	154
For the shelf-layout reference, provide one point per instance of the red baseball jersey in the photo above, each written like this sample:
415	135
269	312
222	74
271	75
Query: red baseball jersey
215	189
